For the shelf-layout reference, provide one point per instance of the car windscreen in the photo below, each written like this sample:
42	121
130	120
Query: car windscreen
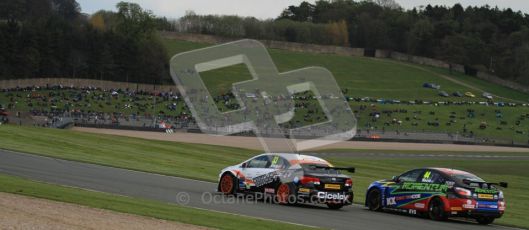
318	169
259	162
469	179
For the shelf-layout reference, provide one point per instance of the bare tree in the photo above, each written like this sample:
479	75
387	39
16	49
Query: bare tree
391	4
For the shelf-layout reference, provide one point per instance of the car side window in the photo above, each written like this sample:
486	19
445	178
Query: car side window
279	163
410	176
259	162
432	177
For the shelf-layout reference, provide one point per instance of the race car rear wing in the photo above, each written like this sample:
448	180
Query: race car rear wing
348	169
501	184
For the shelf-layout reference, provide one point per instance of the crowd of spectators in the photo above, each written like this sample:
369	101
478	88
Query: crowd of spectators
95	105
469	120
92	105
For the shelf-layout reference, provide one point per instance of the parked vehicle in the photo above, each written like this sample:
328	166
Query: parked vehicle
431	85
469	94
443	94
487	95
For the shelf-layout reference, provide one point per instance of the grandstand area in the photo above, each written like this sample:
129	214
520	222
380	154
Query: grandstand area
388	98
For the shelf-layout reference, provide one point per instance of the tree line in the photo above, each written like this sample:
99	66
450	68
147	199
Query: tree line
482	38
52	38
331	33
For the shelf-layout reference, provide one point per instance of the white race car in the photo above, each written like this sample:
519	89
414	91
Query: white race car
289	178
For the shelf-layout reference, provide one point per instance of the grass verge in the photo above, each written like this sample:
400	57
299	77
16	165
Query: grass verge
203	162
136	206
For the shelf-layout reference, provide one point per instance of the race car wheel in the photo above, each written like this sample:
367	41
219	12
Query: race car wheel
485	220
436	210
335	205
285	194
227	184
374	200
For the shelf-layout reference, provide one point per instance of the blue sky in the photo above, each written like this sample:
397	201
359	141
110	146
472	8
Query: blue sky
265	8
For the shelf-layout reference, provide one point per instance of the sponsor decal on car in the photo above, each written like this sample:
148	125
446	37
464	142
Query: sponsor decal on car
269	190
486	196
423	187
419	205
266	179
333	186
331	196
486	191
469	205
391	201
491	206
408	197
304	190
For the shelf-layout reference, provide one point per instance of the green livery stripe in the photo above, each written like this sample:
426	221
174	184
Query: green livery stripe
412	192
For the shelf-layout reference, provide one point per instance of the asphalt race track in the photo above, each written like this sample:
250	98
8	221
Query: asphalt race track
193	193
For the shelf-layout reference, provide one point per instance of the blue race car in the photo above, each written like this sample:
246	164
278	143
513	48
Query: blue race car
439	193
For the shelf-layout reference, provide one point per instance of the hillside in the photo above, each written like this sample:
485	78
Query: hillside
386	96
377	78
390	80
482	38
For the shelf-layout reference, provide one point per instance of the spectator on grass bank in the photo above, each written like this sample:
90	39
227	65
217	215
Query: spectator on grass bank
92	104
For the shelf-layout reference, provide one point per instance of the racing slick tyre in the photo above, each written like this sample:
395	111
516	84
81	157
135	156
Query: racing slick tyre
286	194
374	200
334	205
436	210
227	184
485	220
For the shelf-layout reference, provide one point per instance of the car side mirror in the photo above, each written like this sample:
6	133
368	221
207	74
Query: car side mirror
244	165
503	184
